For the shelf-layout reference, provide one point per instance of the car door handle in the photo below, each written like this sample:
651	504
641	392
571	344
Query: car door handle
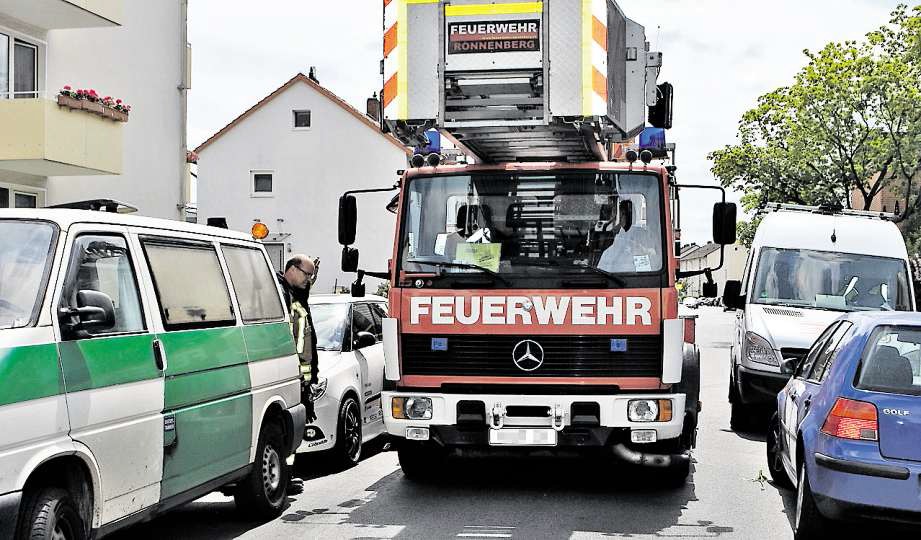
794	396
807	402
159	355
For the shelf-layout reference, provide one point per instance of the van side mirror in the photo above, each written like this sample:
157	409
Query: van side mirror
709	290
364	339
732	295
348	219
95	312
349	259
724	223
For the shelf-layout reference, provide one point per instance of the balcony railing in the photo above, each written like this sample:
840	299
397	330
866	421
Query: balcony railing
60	14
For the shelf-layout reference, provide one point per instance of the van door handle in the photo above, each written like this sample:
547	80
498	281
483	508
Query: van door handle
159	355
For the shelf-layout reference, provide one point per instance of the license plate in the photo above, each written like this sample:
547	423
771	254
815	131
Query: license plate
522	437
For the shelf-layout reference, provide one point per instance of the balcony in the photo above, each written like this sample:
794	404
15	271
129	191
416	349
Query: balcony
60	14
40	138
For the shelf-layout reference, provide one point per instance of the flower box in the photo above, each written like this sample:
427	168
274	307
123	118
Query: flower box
116	113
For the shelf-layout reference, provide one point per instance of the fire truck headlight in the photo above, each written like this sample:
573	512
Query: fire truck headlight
649	410
411	408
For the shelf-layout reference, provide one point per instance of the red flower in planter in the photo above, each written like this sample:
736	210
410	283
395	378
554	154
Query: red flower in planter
67	87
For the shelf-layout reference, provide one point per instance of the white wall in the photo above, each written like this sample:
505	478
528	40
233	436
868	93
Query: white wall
141	63
312	169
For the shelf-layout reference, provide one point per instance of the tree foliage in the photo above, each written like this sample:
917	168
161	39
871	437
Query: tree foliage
850	122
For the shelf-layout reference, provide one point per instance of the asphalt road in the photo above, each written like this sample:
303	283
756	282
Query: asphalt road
727	495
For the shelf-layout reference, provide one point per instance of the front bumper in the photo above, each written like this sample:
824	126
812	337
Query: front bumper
757	387
321	434
606	427
9	513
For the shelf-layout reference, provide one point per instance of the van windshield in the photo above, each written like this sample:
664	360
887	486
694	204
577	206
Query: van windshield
25	255
831	281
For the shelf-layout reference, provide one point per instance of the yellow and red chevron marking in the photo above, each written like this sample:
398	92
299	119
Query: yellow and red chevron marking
594	57
394	94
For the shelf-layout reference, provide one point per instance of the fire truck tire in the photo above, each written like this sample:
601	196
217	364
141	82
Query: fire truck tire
420	464
676	476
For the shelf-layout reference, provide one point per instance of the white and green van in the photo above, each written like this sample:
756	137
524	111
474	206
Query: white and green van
143	363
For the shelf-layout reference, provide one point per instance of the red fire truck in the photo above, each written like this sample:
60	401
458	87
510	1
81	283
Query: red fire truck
533	301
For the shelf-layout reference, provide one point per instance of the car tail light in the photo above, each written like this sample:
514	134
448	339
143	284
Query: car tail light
850	419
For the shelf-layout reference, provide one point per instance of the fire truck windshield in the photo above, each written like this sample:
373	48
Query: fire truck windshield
602	224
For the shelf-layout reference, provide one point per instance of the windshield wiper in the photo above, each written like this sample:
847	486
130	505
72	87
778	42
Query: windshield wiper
469	266
550	262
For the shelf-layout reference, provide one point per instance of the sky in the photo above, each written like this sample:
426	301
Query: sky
719	54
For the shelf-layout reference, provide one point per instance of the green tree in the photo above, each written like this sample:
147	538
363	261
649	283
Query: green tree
383	289
745	231
848	123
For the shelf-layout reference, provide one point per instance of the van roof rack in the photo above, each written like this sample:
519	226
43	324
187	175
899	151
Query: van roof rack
827	209
99	205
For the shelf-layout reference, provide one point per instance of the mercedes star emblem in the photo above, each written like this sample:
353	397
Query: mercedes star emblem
528	355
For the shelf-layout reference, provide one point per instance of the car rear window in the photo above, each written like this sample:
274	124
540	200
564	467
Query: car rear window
892	361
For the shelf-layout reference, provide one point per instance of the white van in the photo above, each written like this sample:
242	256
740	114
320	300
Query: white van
806	267
143	364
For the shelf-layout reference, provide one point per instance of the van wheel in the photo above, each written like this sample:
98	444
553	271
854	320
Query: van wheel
52	515
808	523
774	455
262	493
347	452
740	416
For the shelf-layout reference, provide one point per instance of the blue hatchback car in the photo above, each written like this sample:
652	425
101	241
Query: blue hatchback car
847	432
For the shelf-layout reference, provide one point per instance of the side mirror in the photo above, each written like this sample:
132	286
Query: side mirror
732	295
709	290
348	219
789	365
625	211
724	223
349	259
364	339
95	312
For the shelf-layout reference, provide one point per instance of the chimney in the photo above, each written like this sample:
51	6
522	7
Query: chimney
312	74
374	108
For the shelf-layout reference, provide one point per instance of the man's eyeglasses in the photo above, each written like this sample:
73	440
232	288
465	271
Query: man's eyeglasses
305	272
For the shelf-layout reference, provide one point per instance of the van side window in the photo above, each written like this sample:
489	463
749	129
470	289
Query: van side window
101	264
254	284
190	284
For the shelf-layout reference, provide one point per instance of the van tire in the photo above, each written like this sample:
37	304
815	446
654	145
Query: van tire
262	494
52	513
347	451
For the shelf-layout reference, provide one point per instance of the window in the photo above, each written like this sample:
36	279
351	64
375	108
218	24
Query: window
892	361
276	254
330	322
378	311
25	70
254	283
805	367
825	358
4	197
4	67
26	252
190	285
262	183
301	119
362	320
25	200
101	263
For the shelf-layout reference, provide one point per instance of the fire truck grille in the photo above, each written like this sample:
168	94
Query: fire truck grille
563	356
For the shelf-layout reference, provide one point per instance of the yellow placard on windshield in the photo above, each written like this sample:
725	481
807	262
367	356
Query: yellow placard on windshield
483	255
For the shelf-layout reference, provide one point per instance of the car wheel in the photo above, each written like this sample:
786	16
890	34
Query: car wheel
420	464
347	452
52	515
809	522
262	493
775	455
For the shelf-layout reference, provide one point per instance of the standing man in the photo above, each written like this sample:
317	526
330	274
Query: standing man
300	273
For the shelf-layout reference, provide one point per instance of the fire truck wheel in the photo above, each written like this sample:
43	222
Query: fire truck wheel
676	476
419	463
